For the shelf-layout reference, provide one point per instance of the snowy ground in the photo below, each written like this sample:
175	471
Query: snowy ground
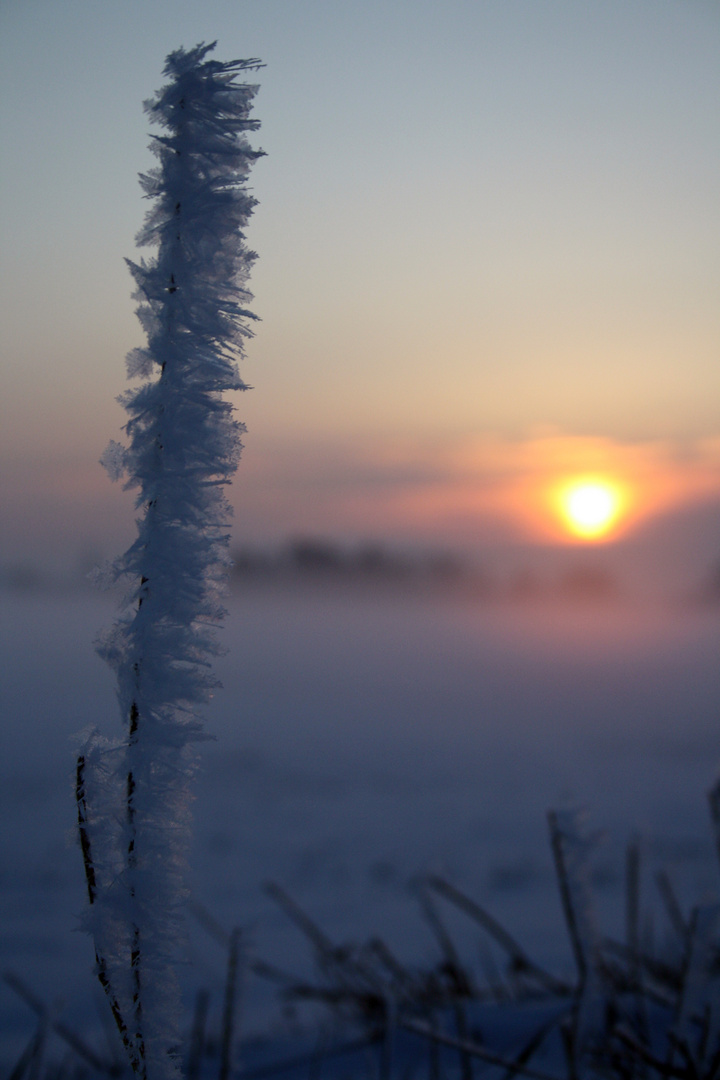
361	741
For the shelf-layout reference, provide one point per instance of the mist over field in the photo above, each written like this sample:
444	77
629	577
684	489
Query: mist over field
367	734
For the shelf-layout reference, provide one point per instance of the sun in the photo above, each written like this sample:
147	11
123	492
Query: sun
590	507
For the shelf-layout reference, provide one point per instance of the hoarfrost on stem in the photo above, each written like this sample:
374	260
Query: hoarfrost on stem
183	447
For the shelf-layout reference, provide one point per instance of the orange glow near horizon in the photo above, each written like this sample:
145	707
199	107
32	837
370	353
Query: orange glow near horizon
500	490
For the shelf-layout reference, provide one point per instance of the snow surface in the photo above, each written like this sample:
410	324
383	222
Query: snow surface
363	739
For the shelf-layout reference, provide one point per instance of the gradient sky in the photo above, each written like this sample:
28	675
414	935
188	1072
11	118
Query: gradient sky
489	239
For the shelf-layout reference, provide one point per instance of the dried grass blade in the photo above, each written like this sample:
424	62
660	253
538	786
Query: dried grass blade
520	959
672	905
33	1050
73	1040
229	1006
312	931
473	1050
460	978
197	1038
556	839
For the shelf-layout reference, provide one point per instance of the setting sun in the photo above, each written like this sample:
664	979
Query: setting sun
590	507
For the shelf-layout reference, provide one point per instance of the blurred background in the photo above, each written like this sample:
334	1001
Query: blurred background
489	240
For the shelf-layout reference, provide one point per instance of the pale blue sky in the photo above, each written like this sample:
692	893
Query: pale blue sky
488	219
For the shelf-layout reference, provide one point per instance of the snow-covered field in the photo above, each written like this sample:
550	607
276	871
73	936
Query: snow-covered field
363	739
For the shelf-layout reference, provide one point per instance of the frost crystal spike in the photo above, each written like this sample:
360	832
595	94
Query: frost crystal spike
183	447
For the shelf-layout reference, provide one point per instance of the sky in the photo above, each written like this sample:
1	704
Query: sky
489	262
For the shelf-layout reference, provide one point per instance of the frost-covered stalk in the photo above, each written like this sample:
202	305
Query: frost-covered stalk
133	798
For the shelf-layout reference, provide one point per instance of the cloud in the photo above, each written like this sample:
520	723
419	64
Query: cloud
466	489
